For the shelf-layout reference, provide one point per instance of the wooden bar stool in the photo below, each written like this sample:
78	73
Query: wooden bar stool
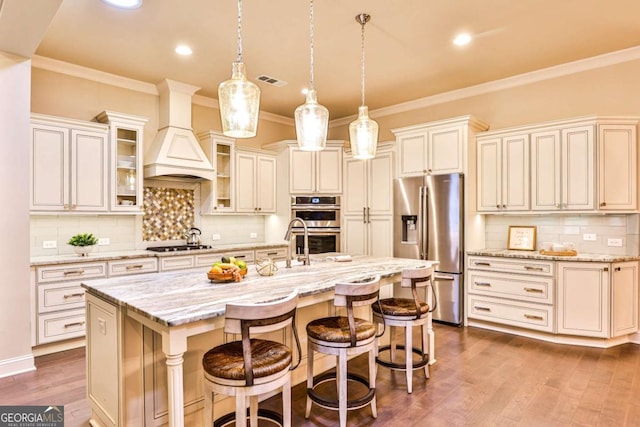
252	367
344	336
407	313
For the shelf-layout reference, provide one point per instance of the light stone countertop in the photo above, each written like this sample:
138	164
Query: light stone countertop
185	296
582	257
116	255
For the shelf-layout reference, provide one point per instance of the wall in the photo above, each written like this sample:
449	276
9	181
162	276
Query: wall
15	347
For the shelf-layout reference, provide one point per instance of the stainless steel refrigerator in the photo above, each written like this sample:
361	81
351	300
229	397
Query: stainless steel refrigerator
429	224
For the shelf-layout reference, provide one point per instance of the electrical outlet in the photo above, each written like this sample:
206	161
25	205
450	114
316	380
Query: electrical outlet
589	236
614	242
253	235
102	326
49	244
103	241
215	237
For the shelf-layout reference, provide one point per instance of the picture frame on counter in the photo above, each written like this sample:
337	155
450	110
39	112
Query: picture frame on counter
521	238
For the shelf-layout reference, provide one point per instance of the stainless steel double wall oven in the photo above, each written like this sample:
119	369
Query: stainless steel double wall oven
322	216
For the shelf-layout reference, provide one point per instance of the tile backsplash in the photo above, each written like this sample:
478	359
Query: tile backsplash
570	228
168	213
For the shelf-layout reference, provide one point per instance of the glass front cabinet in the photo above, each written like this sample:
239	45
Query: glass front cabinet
218	196
126	134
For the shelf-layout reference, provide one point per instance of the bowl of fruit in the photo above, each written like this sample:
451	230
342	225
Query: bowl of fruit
228	269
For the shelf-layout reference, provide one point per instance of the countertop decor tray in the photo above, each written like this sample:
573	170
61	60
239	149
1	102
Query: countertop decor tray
224	277
558	253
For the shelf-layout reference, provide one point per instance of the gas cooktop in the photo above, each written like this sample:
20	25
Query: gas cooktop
178	248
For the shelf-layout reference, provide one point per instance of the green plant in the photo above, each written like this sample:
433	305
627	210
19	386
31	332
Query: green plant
83	239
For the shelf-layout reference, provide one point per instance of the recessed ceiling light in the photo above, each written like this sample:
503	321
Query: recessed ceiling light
462	39
124	4
184	50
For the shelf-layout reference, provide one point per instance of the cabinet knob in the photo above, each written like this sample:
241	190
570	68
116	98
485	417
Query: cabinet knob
430	170
603	204
618	269
215	208
557	205
504	206
498	206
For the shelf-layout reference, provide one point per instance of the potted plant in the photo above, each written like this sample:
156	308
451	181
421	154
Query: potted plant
83	243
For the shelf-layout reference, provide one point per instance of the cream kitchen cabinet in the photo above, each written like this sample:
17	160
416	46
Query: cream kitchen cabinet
617	165
255	182
312	172
503	172
367	209
69	165
562	168
126	140
437	147
218	196
597	299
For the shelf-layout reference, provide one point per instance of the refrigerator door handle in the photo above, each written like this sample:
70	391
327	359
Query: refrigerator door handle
422	225
444	277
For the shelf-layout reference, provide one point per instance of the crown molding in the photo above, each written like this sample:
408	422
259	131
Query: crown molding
592	63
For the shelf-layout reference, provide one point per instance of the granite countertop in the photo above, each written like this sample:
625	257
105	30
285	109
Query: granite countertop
180	297
582	257
116	255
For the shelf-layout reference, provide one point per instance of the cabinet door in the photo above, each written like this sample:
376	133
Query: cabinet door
583	299
328	171
380	236
266	184
355	186
617	167
302	173
412	154
380	184
354	237
515	173
445	150
624	298
88	171
545	170
489	182
246	182
578	175
49	168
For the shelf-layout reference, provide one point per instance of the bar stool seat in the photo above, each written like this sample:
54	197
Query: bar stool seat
407	313
251	367
344	336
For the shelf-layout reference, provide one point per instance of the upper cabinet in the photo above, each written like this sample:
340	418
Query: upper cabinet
316	172
218	196
69	165
617	165
256	182
436	147
126	134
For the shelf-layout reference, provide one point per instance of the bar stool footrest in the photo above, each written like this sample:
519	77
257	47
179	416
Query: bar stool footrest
264	414
333	404
402	366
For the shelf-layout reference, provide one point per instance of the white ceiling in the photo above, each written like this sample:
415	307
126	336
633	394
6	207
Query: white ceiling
409	54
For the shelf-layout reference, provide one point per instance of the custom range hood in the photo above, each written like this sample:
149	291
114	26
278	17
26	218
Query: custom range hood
175	151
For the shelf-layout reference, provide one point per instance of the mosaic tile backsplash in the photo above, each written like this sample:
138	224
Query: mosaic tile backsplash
168	213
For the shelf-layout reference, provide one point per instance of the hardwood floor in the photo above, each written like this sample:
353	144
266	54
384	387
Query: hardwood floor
481	378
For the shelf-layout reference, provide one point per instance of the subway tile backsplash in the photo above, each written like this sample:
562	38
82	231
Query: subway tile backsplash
570	228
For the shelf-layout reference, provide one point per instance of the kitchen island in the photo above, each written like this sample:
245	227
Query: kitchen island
137	324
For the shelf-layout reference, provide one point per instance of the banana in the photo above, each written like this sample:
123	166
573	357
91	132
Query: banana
228	266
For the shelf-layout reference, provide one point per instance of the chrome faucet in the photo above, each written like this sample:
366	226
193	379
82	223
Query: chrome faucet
305	258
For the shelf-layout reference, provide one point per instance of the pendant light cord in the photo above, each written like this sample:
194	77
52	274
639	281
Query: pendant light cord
239	41
362	41
311	87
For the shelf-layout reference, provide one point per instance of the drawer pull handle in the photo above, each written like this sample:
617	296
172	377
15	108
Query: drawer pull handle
69	325
532	317
272	253
134	267
240	256
483	284
78	295
485	264
480	308
534	290
70	272
528	267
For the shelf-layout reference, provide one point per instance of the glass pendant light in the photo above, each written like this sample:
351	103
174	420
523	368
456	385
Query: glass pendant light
239	98
312	119
363	132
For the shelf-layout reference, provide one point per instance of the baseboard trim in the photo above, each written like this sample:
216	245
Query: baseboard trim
17	365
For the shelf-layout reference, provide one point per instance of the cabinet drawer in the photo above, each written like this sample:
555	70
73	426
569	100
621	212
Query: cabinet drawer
274	253
176	263
61	326
60	296
515	286
523	315
510	265
71	272
133	266
208	259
